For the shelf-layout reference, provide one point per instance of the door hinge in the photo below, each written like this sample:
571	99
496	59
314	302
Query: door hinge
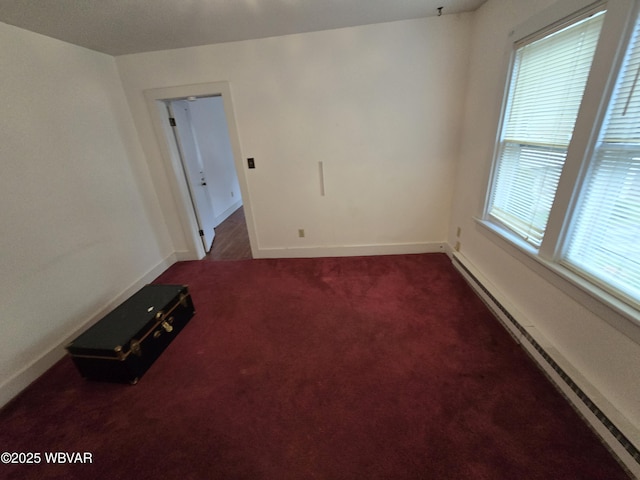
172	121
201	232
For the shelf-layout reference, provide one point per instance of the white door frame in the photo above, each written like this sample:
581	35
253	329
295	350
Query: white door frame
155	102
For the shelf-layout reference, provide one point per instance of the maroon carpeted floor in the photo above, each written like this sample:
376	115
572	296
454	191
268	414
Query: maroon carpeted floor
351	368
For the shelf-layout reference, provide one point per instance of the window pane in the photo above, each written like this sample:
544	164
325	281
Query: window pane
528	177
550	76
605	241
547	85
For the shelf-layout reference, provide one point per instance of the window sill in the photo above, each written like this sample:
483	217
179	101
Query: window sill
614	311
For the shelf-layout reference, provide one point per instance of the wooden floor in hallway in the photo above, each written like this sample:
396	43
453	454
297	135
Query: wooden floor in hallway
232	239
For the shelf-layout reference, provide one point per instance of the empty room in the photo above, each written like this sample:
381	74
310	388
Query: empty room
440	210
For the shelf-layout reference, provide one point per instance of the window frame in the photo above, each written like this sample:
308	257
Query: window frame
619	22
519	40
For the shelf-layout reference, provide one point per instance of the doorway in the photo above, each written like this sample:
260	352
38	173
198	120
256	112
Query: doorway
203	160
232	239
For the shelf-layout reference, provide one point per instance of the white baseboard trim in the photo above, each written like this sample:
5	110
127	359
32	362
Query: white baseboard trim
350	250
227	213
618	434
11	387
185	256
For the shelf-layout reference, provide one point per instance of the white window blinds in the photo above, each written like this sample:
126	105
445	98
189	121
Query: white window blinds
547	84
604	243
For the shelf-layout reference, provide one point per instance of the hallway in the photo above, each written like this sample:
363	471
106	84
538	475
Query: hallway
232	239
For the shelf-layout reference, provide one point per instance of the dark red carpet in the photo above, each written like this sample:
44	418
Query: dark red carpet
350	368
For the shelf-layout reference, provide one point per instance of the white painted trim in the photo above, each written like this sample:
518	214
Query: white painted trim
185	256
34	369
612	45
351	250
594	395
618	24
612	310
172	162
556	14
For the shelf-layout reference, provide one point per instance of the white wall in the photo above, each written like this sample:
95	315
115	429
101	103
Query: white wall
79	222
380	105
212	135
578	328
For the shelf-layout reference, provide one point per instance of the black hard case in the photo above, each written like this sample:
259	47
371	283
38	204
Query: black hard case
125	343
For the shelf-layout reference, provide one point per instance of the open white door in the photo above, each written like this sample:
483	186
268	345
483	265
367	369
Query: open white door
193	170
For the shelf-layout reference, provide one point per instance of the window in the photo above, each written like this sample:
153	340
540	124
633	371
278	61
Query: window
566	123
547	84
605	241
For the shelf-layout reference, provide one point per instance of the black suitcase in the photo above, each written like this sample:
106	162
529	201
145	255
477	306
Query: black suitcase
125	343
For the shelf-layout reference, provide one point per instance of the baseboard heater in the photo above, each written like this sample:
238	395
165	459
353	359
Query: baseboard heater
620	437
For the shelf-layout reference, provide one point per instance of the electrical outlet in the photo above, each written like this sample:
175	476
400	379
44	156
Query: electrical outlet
457	247
301	232
458	232
231	194
251	163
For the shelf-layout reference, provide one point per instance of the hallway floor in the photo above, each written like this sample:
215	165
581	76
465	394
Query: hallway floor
232	239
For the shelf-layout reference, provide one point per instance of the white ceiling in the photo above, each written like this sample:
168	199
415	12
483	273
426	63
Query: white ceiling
120	27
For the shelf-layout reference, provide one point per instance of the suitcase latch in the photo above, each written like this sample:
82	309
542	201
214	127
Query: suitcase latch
167	326
135	348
